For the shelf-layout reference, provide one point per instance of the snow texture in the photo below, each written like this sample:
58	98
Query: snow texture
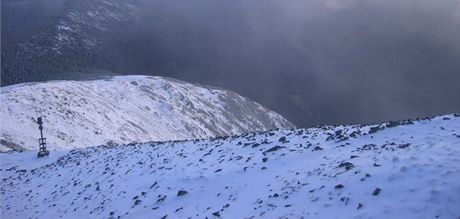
125	109
408	169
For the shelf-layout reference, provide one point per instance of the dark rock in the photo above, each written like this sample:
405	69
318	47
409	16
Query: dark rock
346	165
318	148
153	185
181	193
339	186
355	134
369	147
345	199
275	148
217	214
376	191
393	124
161	199
360	206
283	139
264	159
375	129
404	145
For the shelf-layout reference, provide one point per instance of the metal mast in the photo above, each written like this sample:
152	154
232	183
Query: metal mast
42	151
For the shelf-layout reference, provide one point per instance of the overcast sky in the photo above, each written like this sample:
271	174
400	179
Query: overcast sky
318	61
313	61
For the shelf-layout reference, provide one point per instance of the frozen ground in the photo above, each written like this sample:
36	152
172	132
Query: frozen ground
125	109
407	169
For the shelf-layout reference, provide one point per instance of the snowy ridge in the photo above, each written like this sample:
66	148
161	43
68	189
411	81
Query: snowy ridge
125	109
407	169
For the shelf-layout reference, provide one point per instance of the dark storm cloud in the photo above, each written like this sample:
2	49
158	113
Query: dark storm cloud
317	61
313	61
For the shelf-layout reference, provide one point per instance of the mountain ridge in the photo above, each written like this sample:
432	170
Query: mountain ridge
94	112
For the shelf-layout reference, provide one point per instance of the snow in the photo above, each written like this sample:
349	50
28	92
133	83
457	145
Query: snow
408	169
124	109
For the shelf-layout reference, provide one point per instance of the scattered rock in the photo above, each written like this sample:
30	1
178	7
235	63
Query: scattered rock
345	199
404	145
318	148
346	165
375	129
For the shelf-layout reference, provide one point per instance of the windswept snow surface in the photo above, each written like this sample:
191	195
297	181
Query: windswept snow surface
124	109
407	169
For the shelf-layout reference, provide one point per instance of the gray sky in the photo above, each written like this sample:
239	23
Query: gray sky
319	61
313	61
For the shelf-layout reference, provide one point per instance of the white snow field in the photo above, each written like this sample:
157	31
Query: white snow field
408	169
125	109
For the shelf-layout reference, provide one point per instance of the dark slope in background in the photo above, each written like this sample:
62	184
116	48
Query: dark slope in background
316	62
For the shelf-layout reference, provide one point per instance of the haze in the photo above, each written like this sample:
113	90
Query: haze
314	61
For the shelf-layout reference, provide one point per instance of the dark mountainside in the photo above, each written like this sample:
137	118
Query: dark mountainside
315	62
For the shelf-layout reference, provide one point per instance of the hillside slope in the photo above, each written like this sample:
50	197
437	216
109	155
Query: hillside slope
44	39
124	109
406	169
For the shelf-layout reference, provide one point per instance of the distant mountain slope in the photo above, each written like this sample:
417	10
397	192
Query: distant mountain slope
123	109
406	169
50	39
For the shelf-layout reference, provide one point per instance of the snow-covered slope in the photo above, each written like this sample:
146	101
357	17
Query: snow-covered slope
406	170
124	109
